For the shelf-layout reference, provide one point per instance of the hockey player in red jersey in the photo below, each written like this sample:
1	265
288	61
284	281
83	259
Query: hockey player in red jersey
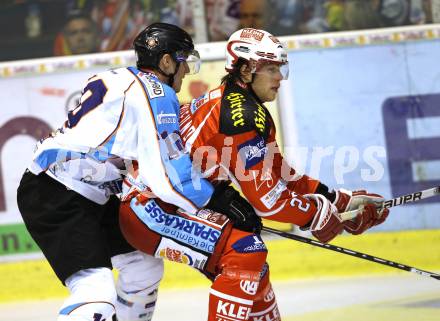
231	137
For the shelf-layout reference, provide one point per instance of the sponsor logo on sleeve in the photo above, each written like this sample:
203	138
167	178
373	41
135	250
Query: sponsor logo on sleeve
195	234
163	119
249	244
274	194
213	217
173	251
253	151
175	256
198	102
153	86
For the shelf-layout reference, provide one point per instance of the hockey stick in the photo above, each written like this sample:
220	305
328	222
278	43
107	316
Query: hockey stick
409	198
352	214
352	253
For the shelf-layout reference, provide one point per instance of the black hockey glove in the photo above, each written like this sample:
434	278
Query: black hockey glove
228	201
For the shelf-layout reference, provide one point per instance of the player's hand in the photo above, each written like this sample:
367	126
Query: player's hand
326	224
367	203
227	200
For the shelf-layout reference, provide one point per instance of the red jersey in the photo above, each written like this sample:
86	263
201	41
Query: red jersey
231	136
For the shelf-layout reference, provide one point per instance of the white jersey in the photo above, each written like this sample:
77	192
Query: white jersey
124	115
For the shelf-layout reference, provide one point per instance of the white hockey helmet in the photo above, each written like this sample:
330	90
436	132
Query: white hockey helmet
257	46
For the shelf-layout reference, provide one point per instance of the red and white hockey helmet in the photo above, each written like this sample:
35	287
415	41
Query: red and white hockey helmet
257	46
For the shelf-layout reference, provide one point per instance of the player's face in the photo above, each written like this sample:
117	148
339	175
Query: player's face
178	77
267	82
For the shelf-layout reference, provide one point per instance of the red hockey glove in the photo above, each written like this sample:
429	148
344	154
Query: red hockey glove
326	224
367	204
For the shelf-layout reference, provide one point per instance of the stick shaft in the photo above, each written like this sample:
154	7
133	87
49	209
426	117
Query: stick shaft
360	255
414	197
409	198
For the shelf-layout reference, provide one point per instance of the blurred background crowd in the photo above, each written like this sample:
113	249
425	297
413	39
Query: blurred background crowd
44	28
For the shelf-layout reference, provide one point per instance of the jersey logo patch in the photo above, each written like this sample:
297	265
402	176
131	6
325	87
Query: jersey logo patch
154	88
236	110
271	197
253	151
163	118
233	113
241	113
249	244
198	102
260	119
249	287
173	251
196	235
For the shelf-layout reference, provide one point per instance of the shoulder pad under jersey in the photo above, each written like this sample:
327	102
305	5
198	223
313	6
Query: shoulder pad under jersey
240	113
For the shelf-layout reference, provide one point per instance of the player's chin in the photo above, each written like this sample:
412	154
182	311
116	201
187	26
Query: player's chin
271	94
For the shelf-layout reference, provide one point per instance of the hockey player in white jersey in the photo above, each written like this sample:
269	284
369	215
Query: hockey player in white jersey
67	195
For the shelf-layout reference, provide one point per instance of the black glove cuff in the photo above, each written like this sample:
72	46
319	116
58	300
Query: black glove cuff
226	200
323	190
